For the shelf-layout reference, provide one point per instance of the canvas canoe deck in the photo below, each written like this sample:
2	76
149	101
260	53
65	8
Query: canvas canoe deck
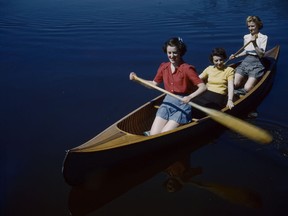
125	139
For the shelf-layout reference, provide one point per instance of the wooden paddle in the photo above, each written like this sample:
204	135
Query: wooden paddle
244	128
239	51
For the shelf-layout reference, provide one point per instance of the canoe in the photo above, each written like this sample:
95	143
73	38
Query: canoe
125	140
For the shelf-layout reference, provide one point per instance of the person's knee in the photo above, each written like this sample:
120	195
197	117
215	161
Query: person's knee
248	88
171	124
236	84
250	84
237	81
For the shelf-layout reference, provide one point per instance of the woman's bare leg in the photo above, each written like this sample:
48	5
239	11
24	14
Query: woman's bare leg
170	126
250	83
238	80
157	126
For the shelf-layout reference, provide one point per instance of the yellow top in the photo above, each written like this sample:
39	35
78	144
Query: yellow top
217	80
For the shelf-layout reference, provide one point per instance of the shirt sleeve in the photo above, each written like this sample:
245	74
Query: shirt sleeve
159	75
262	42
193	76
246	39
204	74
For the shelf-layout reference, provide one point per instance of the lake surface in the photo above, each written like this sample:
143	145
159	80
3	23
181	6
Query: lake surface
64	78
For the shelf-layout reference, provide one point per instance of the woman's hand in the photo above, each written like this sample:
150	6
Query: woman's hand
232	56
186	99
254	37
131	75
230	104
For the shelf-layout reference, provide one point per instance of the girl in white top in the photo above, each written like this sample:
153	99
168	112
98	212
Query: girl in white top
252	66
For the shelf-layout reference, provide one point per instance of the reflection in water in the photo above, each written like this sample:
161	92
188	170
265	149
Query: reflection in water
104	186
181	174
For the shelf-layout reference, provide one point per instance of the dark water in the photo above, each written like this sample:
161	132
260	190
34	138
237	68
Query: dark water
64	78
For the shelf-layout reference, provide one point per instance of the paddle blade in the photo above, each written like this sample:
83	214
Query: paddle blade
240	126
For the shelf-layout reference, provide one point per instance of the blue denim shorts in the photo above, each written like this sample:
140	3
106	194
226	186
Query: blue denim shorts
174	109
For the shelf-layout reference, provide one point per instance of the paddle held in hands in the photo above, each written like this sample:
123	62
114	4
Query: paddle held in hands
235	124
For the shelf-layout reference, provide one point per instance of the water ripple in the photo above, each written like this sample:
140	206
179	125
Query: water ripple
276	150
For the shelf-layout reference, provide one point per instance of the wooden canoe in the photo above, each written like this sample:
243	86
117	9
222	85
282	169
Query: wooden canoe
125	139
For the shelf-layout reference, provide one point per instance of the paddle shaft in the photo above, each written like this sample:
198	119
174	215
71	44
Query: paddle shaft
244	128
239	51
242	48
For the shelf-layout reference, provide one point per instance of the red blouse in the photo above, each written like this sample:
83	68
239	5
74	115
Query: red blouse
183	81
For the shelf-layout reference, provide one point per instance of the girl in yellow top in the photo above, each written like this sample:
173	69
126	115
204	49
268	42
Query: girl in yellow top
219	81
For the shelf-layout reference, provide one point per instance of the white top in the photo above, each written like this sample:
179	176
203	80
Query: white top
261	42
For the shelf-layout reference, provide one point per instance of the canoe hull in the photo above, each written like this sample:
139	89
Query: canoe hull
80	166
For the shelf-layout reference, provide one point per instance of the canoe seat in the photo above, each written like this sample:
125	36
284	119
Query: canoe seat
140	121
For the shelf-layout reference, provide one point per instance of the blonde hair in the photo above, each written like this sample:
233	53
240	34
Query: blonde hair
256	20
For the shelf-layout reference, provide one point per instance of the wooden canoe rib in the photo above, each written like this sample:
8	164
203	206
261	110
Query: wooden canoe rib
125	138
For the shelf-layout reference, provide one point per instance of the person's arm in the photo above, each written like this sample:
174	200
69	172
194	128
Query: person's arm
150	81
201	88
243	52
230	103
260	50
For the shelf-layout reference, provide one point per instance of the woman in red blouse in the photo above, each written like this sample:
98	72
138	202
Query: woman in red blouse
179	78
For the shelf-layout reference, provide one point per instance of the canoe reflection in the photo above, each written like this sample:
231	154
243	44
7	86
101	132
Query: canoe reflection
180	174
103	186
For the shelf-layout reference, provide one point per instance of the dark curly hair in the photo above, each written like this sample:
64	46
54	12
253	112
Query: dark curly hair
218	52
175	42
